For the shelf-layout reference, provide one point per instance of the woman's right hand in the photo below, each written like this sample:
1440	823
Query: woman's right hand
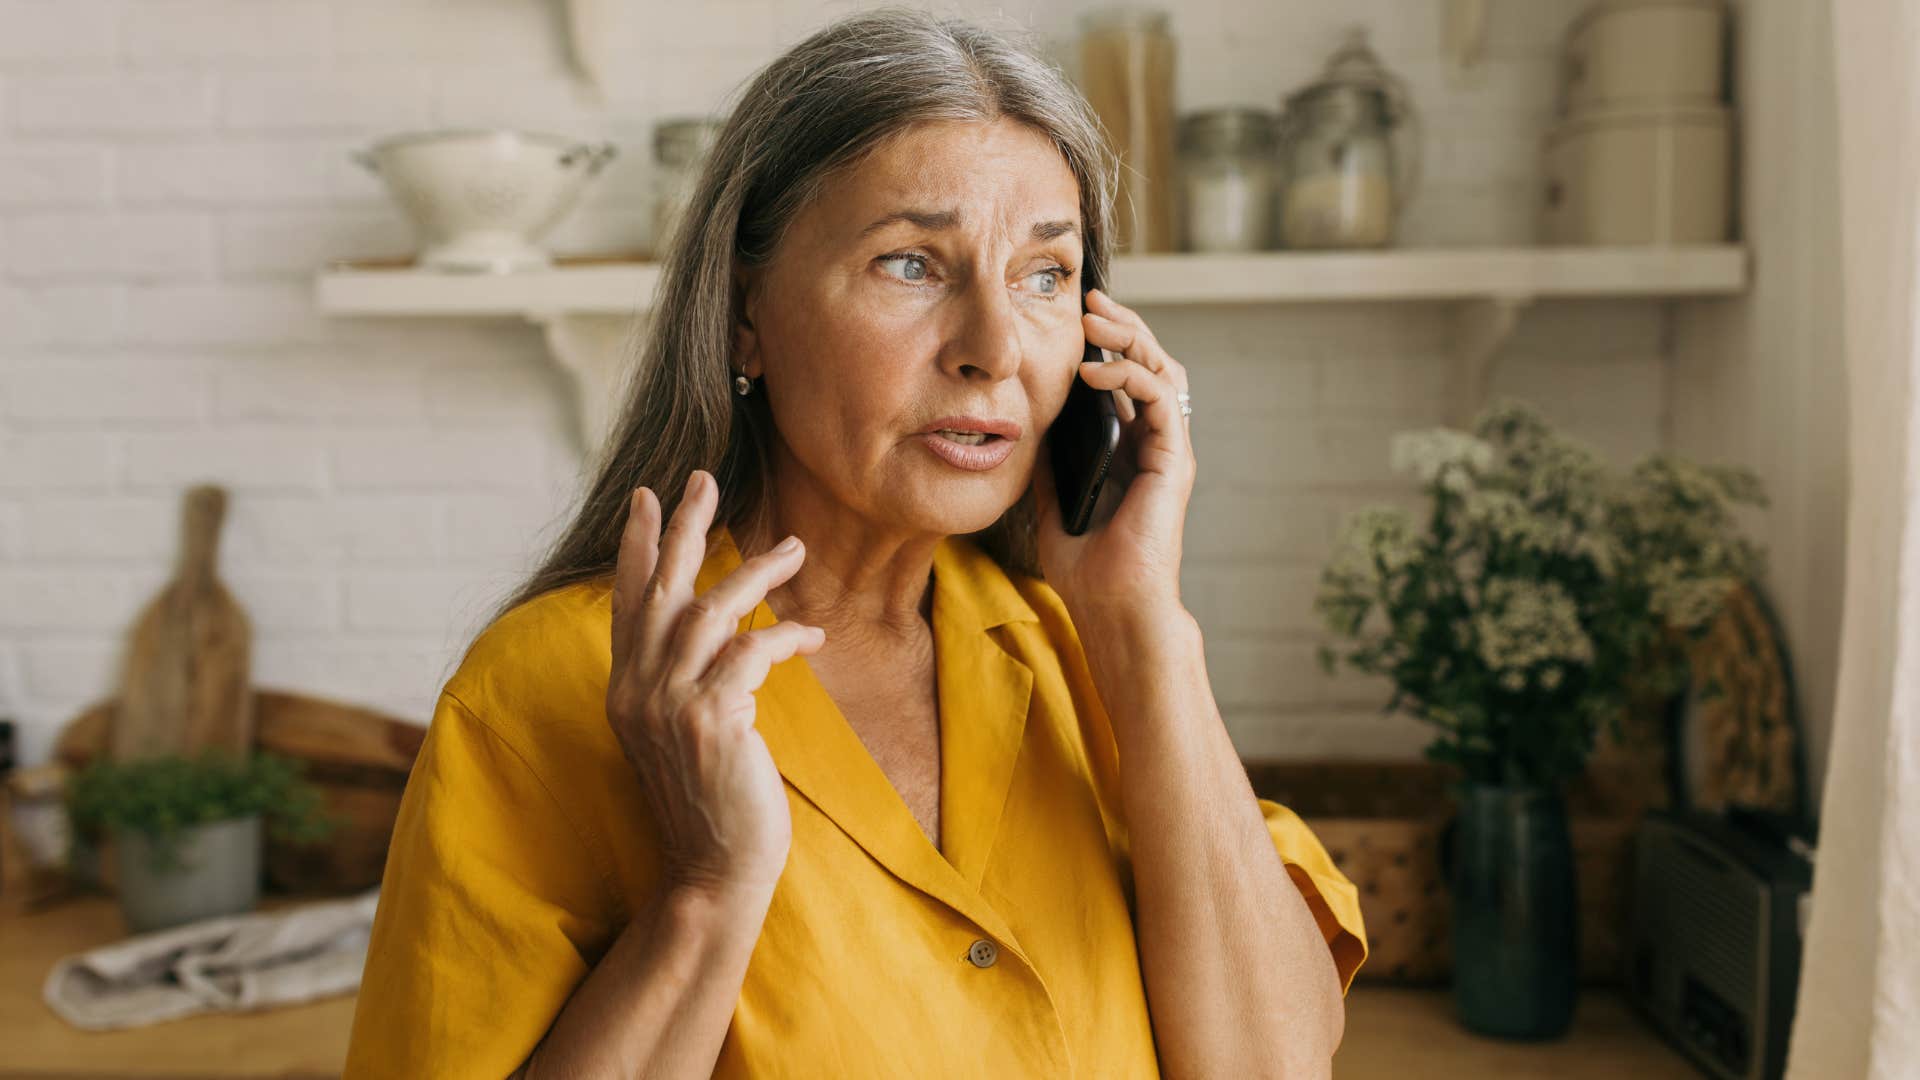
680	695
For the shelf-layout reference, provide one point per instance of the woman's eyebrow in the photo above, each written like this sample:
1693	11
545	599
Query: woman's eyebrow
937	220
1047	230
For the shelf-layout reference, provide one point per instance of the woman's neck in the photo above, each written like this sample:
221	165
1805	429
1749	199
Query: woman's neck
858	580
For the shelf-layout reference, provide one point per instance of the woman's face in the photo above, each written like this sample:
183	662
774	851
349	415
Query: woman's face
868	327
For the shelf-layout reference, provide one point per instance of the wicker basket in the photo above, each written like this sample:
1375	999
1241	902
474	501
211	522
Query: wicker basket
1382	822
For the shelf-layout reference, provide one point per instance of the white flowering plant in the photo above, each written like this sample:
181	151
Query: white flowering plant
1542	594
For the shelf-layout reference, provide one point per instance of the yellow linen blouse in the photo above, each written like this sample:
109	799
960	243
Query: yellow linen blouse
522	847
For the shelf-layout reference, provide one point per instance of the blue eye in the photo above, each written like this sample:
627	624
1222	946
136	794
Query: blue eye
1058	275
921	259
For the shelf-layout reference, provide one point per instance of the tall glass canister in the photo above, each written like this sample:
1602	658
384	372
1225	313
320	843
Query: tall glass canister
1126	72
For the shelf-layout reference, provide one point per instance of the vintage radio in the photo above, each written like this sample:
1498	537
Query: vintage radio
1716	936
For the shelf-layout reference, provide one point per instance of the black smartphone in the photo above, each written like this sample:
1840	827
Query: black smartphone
1083	440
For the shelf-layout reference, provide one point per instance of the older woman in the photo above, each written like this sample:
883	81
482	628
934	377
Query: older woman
930	789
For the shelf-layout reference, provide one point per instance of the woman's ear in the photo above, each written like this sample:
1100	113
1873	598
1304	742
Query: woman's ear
746	340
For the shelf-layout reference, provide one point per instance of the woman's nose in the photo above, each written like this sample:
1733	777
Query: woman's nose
990	339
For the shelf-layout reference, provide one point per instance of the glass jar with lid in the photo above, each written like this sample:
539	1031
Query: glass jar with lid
1228	179
1126	73
1350	148
680	145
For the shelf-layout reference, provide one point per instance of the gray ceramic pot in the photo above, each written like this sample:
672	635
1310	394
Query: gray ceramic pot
218	873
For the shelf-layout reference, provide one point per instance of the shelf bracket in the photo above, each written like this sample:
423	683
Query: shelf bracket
1480	328
1466	32
597	352
593	43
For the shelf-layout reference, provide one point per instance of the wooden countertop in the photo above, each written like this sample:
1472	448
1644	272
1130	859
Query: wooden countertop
1391	1033
1394	1034
296	1042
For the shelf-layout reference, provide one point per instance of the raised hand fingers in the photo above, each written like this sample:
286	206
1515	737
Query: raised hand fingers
710	619
633	567
746	659
683	548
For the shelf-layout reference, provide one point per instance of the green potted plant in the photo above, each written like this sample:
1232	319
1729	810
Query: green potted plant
187	830
1541	593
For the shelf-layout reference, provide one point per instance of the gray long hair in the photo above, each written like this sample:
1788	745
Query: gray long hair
823	106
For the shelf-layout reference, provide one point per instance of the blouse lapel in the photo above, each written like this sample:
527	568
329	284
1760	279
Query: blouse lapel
983	693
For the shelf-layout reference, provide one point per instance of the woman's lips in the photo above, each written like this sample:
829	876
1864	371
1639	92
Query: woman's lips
978	458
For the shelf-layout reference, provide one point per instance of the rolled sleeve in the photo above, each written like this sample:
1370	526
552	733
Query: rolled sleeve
1334	901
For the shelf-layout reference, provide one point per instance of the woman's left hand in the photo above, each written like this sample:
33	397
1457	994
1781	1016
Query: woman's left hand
1128	560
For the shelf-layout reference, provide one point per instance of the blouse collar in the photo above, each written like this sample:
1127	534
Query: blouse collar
983	692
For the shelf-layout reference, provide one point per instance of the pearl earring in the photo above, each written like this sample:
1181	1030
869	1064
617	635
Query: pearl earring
742	385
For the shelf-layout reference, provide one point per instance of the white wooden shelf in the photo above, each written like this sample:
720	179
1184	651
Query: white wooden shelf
625	288
612	288
588	304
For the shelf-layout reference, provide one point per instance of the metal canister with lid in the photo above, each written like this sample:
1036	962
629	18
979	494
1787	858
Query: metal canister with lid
1228	179
1349	142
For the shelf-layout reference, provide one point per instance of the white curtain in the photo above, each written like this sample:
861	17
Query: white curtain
1859	1006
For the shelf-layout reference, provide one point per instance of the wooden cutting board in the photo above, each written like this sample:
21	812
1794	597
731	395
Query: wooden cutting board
184	682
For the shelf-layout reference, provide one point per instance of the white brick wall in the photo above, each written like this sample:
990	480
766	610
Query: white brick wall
54	175
172	172
91	245
230	33
42	34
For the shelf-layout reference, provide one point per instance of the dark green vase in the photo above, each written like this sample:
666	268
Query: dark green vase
1515	918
